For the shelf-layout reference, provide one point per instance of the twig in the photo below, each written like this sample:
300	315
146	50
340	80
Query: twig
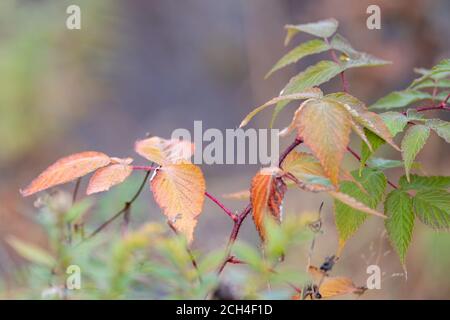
359	159
225	209
75	190
335	59
189	252
126	208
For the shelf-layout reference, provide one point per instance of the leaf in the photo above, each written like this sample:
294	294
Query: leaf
355	204
313	76
361	115
323	29
266	196
239	195
417	182
179	189
31	252
325	128
107	177
67	169
333	286
400	99
309	172
441	127
433	208
359	130
413	141
348	218
381	163
395	121
439	71
299	52
163	151
400	223
429	83
375	141
306	94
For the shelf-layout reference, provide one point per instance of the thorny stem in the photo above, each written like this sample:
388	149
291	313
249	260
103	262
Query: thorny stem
350	150
125	209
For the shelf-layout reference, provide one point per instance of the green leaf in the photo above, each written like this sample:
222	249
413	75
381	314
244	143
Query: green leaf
432	207
400	99
348	220
375	141
430	83
381	164
400	222
342	44
313	76
31	252
299	52
439	71
413	141
395	121
417	182
441	127
323	29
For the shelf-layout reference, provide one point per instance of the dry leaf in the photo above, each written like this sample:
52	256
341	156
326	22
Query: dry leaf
107	177
240	195
162	151
325	128
179	189
67	169
267	193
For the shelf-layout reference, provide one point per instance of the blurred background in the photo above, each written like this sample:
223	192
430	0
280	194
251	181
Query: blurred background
148	67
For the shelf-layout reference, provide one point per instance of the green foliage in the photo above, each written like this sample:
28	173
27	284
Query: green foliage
400	223
432	207
348	219
414	140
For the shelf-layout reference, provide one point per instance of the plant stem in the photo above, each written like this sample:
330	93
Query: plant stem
225	209
244	213
359	159
126	208
342	74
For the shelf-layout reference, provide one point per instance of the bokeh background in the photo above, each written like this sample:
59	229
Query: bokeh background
148	67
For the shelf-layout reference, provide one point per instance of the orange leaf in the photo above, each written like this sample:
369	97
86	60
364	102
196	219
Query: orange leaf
162	151
239	195
179	189
107	177
325	127
267	193
67	169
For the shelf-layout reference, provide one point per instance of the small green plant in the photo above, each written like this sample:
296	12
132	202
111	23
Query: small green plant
124	266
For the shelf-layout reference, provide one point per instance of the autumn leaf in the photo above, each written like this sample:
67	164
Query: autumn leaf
355	204
239	195
325	128
67	169
333	286
107	177
179	189
306	94
266	194
162	151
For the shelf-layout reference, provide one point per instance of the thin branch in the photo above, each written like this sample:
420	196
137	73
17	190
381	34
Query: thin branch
75	190
222	206
350	150
144	168
189	252
335	59
289	149
126	208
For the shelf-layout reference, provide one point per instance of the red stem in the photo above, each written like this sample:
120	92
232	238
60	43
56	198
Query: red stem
225	209
342	74
144	168
359	159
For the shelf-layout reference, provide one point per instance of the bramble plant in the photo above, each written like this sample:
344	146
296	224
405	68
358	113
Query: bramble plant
322	122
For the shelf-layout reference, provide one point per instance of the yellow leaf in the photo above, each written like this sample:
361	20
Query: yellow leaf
179	189
267	193
355	204
107	177
325	128
162	151
67	169
306	94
